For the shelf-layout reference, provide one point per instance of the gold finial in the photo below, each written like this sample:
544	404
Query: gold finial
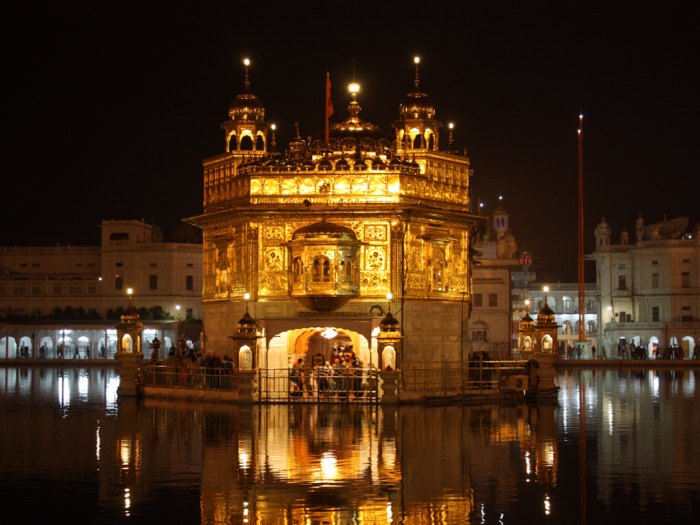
247	63
417	80
296	125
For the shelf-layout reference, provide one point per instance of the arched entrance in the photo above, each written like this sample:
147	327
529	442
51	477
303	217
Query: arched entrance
688	345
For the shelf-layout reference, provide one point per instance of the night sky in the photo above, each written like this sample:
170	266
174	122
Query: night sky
110	107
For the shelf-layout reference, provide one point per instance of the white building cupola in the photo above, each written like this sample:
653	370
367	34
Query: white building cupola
640	228
602	234
500	219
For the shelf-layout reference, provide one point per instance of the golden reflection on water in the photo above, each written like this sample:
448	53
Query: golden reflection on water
344	464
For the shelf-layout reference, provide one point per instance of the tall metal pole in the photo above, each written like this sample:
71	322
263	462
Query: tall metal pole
581	273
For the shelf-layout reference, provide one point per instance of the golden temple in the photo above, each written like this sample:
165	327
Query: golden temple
320	235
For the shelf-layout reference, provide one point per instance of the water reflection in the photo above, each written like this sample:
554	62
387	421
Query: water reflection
617	444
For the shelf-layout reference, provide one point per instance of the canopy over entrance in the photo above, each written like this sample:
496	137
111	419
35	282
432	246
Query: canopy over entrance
363	325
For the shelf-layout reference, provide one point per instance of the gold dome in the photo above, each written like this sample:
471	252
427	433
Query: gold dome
527	322
324	229
247	325
389	323
246	107
417	105
546	315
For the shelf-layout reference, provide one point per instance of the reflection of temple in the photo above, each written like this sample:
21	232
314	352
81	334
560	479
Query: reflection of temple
320	235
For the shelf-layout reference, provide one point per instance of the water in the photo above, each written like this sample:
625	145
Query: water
71	450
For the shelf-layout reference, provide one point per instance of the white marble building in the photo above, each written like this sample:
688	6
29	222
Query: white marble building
35	281
649	290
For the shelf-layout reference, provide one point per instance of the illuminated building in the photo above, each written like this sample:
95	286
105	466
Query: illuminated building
321	235
37	280
649	291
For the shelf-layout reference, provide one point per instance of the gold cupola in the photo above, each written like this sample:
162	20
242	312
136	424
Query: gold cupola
246	129
417	128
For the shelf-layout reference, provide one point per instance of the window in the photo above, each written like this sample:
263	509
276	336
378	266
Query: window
120	264
493	300
118	282
189	282
478	300
654	280
190	265
79	265
57	290
655	314
118	236
91	265
622	266
654	262
686	261
153	282
92	289
154	265
189	313
23	265
623	317
36	289
74	289
622	282
685	279
567	304
591	327
321	269
35	265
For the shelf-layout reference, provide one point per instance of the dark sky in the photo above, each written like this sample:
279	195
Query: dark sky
110	107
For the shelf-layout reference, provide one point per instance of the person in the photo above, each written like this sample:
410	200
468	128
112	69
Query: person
296	376
102	349
87	352
42	352
77	352
593	351
171	368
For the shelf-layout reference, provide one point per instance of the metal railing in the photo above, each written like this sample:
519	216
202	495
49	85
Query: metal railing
329	385
195	377
434	378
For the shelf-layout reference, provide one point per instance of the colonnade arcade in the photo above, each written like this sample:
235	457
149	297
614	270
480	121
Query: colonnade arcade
72	343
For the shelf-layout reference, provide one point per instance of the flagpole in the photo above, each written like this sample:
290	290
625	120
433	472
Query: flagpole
329	107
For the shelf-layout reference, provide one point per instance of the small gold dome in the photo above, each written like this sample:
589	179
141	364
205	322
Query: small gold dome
527	322
546	315
417	105
247	325
246	107
324	229
389	324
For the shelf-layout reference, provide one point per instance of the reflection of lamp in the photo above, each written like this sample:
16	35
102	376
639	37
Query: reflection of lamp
329	333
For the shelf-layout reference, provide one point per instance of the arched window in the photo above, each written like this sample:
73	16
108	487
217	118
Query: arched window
232	143
260	143
431	141
527	344
389	358
326	270
316	275
297	269
245	358
246	143
417	141
547	344
127	343
438	276
591	327
350	269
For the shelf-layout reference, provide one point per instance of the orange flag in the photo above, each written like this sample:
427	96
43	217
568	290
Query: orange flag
329	105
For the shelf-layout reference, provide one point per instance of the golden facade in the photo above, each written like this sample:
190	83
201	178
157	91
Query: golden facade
401	202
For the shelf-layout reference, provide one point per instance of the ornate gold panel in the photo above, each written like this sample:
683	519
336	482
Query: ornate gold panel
274	260
375	233
274	233
374	281
375	258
